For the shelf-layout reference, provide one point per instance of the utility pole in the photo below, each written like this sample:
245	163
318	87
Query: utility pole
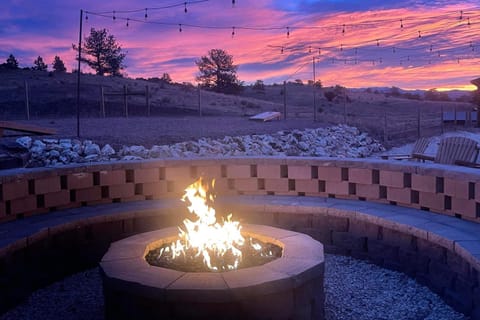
314	98
78	72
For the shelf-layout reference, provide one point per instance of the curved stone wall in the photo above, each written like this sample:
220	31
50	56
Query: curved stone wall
449	190
440	248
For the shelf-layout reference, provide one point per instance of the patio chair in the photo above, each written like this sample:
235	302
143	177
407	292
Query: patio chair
419	148
455	150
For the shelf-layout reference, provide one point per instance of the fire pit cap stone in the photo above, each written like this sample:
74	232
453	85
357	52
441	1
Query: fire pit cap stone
302	260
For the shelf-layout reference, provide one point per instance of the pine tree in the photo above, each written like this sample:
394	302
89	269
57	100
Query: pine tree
218	72
39	64
11	64
106	54
58	65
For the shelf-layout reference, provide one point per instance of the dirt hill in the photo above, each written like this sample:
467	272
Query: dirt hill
52	97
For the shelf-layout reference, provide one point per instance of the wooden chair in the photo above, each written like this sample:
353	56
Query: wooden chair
455	150
419	148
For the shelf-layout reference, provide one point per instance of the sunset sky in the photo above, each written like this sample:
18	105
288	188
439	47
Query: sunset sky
409	44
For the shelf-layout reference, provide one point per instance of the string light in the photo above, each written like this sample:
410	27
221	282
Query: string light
463	15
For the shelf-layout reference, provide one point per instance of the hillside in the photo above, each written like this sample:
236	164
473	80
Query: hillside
52	97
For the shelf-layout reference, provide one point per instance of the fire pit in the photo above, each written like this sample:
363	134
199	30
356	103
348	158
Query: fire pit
288	285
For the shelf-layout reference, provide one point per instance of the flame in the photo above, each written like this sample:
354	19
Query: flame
206	237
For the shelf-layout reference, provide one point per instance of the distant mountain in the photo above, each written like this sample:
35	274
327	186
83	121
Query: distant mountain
452	94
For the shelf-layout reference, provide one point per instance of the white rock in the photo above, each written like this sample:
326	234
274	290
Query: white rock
53	154
129	158
50	141
107	151
91	157
25	142
92	149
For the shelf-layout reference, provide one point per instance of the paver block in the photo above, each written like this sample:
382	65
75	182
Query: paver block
126	190
80	180
146	175
368	191
464	207
307	186
246	184
300	172
269	171
337	188
361	176
391	178
24	205
424	183
456	188
431	200
88	194
401	195
155	189
114	177
333	174
276	185
14	190
55	199
239	171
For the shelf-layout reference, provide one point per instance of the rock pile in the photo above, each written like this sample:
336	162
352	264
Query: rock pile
336	141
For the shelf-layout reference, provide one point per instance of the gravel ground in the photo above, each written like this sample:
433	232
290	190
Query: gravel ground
354	290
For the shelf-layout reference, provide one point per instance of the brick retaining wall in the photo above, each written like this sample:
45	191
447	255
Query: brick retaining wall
385	226
449	190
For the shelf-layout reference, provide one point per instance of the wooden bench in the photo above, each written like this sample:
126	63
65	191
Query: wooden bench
28	128
455	150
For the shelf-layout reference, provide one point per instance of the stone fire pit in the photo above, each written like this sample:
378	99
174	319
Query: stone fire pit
290	287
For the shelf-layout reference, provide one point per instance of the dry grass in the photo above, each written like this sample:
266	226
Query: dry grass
174	109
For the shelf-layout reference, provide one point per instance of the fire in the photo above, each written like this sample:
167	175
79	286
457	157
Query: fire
218	244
